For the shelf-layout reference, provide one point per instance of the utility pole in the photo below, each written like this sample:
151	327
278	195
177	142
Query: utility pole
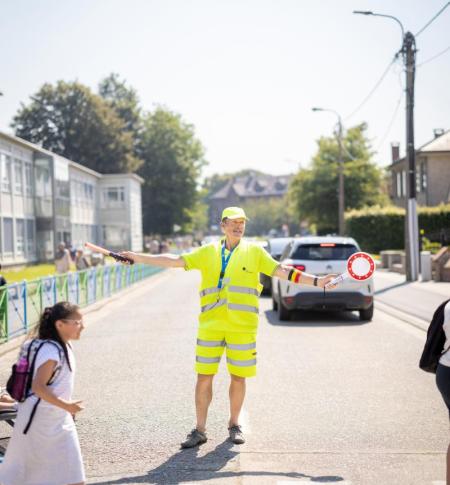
341	206
411	222
341	197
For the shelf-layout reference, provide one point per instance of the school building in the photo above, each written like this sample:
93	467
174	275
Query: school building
46	199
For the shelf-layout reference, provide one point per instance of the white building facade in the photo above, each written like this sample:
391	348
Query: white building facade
46	198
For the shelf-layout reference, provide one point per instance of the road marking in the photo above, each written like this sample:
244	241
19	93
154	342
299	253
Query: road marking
245	421
294	482
438	482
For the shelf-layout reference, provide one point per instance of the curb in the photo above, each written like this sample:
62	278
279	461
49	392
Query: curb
403	316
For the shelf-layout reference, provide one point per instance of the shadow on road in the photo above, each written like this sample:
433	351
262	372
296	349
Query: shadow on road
316	319
185	466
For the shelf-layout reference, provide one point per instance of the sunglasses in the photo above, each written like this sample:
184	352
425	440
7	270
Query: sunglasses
75	322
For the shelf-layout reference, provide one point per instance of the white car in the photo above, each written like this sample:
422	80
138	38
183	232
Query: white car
321	256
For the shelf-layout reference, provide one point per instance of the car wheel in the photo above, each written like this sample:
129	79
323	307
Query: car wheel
274	303
283	313
367	314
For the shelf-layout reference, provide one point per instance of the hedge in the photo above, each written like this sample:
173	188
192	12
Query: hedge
377	229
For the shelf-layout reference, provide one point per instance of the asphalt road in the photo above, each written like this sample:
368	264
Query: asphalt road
335	400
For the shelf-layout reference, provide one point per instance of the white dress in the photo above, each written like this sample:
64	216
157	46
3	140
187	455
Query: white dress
49	454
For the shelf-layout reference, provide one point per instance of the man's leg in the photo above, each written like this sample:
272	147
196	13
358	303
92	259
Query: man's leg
241	363
210	347
203	397
237	396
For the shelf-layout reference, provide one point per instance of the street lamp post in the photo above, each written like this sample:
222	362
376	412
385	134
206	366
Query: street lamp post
341	197
408	50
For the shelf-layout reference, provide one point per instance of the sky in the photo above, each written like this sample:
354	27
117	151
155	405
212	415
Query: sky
245	73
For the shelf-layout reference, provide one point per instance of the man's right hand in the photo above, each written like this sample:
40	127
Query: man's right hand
130	255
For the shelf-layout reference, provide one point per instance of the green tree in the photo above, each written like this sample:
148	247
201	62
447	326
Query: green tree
314	191
124	101
266	215
70	120
173	158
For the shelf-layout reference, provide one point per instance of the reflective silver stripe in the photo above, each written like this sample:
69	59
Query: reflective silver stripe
216	304
209	291
214	289
210	343
243	308
241	346
207	360
242	363
244	289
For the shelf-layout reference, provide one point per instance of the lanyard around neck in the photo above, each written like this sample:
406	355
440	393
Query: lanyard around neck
225	261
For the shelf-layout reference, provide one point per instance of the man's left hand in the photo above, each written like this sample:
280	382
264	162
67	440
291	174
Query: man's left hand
324	280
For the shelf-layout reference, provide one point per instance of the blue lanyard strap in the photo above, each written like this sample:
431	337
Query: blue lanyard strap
225	262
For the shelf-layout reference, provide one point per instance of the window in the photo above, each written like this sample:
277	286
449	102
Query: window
6	172
113	197
18	177
418	177
28	179
30	236
424	180
20	236
320	252
8	241
404	182
43	182
399	184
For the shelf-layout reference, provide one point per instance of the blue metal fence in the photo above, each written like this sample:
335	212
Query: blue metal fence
21	304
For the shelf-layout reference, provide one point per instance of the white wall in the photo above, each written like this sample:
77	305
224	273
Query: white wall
84	212
121	219
17	220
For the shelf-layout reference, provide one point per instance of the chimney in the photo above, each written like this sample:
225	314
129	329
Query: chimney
395	151
437	132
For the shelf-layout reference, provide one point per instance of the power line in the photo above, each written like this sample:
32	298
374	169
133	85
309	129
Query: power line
391	122
372	91
434	57
432	19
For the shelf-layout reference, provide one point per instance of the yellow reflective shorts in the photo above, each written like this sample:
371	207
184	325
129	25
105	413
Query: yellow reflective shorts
240	352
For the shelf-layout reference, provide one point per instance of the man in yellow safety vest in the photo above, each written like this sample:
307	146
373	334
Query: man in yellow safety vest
229	294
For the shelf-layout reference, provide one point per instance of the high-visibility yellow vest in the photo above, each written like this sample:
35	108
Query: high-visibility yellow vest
234	307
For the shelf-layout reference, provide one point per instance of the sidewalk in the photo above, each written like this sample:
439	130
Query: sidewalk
418	299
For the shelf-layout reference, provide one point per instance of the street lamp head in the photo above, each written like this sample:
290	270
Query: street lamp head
316	109
363	12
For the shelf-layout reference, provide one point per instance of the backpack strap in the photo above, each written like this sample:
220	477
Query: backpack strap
55	372
61	358
33	362
52	378
30	420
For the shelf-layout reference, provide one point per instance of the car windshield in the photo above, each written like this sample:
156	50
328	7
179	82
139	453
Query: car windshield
323	251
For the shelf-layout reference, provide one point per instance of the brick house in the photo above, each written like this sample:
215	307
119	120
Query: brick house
242	189
432	172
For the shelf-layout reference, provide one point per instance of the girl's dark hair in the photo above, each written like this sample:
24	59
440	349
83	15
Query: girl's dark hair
46	329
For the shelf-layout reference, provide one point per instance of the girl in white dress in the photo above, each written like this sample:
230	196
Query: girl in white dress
49	453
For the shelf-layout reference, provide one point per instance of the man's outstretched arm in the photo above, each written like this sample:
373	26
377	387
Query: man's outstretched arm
288	273
162	260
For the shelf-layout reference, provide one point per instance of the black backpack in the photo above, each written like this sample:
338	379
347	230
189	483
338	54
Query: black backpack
434	345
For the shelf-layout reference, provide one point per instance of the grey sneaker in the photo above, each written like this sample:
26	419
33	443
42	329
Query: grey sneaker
236	434
194	438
